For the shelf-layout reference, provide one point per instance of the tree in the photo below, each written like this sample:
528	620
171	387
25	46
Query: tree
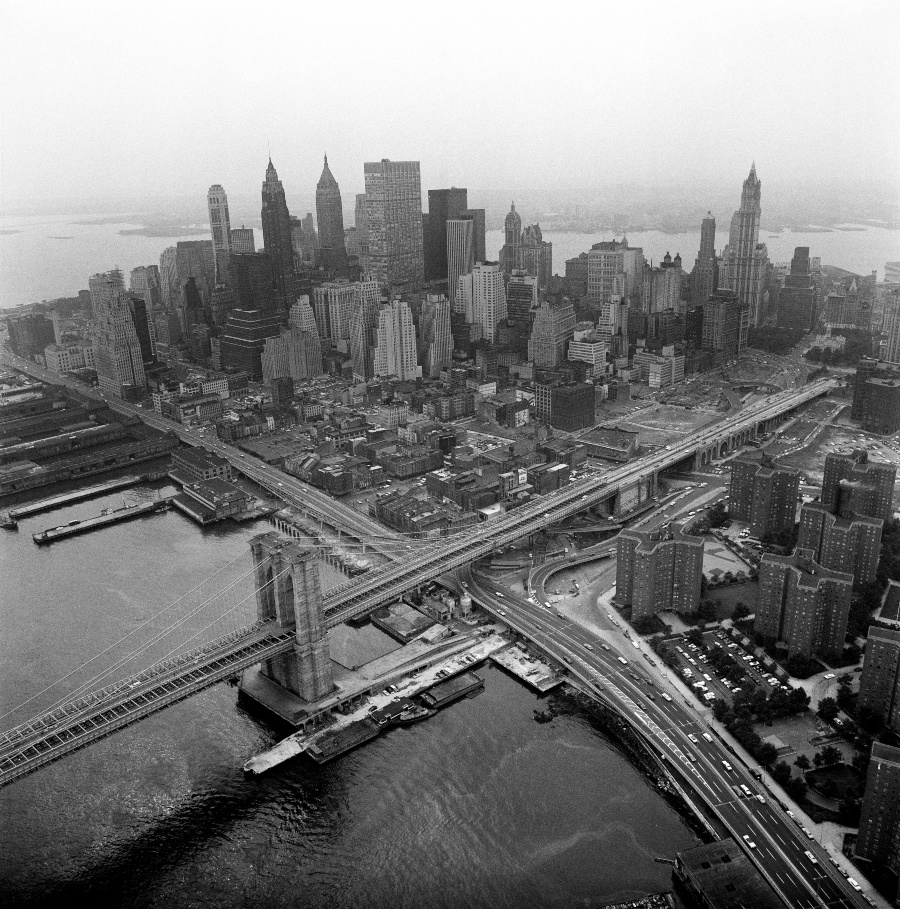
796	789
830	755
741	611
802	762
695	636
829	788
720	709
766	753
828	709
781	773
707	611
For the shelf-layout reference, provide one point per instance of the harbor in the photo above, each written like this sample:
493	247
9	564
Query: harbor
533	672
104	519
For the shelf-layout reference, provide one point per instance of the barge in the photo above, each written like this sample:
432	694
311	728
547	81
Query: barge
466	685
105	518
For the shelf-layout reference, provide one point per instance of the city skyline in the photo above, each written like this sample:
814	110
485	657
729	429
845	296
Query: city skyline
503	148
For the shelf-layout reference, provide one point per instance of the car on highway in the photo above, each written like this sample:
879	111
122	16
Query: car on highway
693	738
588	647
666	696
727	766
501	612
748	841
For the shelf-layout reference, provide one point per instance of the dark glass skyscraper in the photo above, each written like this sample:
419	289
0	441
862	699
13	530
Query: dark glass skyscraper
706	270
330	215
443	205
276	226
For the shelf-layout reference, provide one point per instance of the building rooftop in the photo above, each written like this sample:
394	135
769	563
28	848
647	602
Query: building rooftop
726	877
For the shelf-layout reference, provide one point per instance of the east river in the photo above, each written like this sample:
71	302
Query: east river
478	806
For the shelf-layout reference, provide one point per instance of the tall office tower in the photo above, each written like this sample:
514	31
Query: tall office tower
488	298
117	349
879	823
551	331
460	251
254	284
276	227
476	215
509	254
704	277
854	486
394	223
435	337
330	215
851	544
535	255
364	329
362	233
726	325
892	325
301	316
797	299
244	337
614	269
192	310
295	353
220	225
223	301
764	494
333	303
879	684
144	327
395	345
242	240
744	259
658	570
588	347
145	278
803	604
876	396
168	277
443	205
521	300
661	288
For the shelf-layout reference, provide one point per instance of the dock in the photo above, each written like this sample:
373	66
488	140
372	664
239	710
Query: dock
107	517
69	498
533	672
445	693
330	745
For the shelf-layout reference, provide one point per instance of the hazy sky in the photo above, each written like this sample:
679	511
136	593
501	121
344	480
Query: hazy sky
164	98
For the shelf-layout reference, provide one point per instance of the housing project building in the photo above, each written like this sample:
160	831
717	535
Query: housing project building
658	570
764	494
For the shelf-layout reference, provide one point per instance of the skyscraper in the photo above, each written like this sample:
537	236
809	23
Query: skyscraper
362	233
614	269
840	543
242	240
726	325
852	485
658	570
744	259
253	283
333	303
797	299
803	604
434	335
551	329
443	205
704	277
395	348
661	287
512	232
220	225
330	215
488	298
117	350
764	494
364	328
460	251
394	223
276	227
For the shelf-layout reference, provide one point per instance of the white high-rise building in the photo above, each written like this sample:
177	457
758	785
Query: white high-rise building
333	304
460	251
219	225
488	298
435	335
295	353
117	351
396	349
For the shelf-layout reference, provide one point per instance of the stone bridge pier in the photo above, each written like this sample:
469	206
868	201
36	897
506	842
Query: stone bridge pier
288	592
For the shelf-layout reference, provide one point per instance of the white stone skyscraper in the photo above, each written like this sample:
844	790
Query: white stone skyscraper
744	259
460	251
396	350
364	328
435	336
117	350
330	216
220	226
394	223
488	298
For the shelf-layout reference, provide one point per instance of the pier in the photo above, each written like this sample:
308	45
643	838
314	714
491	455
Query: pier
105	518
77	495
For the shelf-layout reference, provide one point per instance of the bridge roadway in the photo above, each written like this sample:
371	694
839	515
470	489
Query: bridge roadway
53	735
376	587
666	726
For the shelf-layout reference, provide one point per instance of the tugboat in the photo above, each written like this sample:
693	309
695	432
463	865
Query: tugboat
413	714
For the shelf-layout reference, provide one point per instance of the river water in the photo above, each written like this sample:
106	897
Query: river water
479	806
